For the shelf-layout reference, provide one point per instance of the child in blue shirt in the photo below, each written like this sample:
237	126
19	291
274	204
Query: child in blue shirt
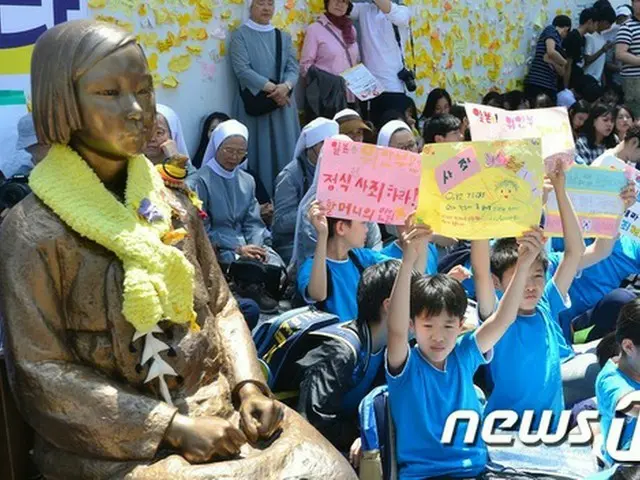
431	381
618	379
338	242
526	367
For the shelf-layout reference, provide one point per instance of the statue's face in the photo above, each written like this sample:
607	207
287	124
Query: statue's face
117	104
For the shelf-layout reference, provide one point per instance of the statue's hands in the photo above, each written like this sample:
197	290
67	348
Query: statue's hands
202	439
260	416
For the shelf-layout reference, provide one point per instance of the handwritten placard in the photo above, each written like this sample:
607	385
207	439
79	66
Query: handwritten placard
362	83
368	183
550	124
456	170
499	194
595	196
630	224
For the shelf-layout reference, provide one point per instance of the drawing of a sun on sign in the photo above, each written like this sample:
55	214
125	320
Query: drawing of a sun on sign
506	189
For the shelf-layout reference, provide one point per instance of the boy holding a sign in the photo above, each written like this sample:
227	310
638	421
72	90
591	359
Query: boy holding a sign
430	382
330	278
526	367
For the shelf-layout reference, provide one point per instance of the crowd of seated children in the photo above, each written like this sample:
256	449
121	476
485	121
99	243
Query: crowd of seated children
619	378
432	380
330	387
526	371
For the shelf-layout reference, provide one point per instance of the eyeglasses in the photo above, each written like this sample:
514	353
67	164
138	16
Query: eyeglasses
232	152
409	147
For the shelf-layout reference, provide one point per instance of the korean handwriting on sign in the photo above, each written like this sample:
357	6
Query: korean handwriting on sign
519	121
485	117
464	163
630	217
457	169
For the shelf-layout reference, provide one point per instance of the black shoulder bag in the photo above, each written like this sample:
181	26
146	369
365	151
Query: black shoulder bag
260	104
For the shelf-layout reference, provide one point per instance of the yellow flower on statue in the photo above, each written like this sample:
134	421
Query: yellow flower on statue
174	237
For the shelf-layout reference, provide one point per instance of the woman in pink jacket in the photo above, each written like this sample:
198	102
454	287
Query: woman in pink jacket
330	43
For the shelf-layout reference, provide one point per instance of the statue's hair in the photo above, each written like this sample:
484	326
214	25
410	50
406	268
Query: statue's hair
61	56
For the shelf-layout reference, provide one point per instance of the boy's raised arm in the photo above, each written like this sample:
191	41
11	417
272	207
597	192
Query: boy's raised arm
492	330
481	266
317	288
573	242
414	242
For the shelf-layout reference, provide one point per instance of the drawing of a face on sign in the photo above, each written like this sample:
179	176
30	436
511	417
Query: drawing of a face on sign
21	24
586	225
506	189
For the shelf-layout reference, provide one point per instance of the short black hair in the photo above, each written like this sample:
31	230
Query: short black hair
390	115
543	101
607	348
204	136
459	111
332	222
375	286
492	96
588	14
513	99
581	106
562	21
439	125
628	326
504	255
432	295
633	132
605	13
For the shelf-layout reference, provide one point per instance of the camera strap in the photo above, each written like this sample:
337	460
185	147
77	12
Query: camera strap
341	42
396	32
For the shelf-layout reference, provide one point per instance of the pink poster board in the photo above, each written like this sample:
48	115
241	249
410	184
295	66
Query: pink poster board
368	183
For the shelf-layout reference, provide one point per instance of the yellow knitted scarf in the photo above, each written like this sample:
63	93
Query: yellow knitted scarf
158	279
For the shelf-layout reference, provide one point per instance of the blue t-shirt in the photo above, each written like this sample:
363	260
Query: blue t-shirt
526	366
393	250
345	277
611	385
422	398
593	283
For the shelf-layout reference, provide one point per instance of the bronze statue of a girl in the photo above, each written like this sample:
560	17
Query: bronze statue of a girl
127	353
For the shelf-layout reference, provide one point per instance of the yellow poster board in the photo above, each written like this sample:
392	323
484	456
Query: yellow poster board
481	190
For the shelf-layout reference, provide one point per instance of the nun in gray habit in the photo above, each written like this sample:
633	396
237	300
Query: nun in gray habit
272	137
228	194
